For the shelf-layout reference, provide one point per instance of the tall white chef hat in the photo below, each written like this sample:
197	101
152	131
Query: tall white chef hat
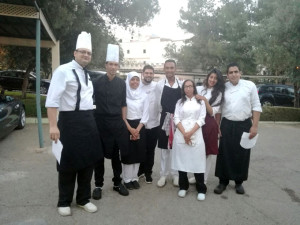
84	40
112	54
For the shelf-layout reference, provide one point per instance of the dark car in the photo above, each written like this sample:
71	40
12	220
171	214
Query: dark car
95	74
13	80
276	94
12	115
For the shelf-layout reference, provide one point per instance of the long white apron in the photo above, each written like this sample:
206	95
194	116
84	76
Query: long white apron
189	158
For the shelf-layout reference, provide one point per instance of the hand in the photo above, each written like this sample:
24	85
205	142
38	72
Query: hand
253	132
219	132
54	134
200	97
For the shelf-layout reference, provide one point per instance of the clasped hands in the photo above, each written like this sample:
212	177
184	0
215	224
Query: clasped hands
135	133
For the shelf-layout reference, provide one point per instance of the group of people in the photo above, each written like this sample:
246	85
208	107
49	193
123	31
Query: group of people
126	121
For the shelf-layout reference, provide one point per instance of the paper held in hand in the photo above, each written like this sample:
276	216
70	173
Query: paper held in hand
246	142
57	149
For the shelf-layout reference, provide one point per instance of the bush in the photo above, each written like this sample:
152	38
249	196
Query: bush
278	113
30	103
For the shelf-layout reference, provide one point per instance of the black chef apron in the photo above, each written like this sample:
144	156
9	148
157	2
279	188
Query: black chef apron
137	148
79	136
168	102
233	160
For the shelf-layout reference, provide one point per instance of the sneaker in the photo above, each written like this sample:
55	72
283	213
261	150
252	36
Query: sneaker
201	197
192	180
97	193
121	189
64	211
141	175
135	184
148	179
89	207
219	189
182	193
175	181
161	182
239	189
129	185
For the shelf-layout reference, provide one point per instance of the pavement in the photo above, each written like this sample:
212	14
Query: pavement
28	188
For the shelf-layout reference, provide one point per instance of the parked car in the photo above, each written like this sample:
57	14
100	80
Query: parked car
12	115
13	80
95	74
276	94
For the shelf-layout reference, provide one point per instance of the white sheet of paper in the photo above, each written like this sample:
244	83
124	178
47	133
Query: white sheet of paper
57	149
246	142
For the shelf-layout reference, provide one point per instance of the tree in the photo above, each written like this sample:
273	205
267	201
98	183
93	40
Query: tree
277	39
219	33
69	18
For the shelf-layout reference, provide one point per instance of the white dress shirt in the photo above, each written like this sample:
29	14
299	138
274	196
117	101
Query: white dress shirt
206	92
153	120
62	93
240	101
138	109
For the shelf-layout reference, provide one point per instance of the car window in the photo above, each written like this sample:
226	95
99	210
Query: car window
278	90
291	91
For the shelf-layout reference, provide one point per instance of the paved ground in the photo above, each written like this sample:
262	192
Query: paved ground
28	188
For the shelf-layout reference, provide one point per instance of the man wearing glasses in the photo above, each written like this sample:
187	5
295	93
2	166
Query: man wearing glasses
70	93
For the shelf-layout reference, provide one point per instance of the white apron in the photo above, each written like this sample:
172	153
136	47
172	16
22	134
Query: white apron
189	158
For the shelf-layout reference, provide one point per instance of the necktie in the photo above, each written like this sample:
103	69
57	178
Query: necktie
86	76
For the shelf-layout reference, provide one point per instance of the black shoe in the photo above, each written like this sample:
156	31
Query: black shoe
148	179
129	185
97	193
239	189
121	189
219	189
135	184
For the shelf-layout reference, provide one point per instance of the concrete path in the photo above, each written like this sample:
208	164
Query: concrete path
28	188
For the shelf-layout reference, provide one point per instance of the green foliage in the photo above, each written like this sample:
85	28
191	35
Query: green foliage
29	102
280	114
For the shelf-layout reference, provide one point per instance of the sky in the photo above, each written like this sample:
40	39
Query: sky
164	24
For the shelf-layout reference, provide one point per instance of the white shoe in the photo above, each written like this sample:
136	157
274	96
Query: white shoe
89	207
182	193
175	181
192	180
64	211
201	197
161	182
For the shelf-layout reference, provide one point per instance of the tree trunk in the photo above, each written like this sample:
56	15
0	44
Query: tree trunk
25	81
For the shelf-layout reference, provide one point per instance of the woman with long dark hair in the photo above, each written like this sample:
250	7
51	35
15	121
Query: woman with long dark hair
188	153
212	94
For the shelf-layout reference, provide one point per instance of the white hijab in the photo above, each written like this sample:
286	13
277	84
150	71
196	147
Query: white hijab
133	94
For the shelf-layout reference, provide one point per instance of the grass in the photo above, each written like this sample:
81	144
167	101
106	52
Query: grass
29	102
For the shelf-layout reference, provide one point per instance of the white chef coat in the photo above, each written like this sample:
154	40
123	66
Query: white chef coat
206	92
153	120
138	109
240	101
62	93
189	158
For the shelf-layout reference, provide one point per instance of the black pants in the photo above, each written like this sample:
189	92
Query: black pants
151	141
184	182
226	182
116	166
66	186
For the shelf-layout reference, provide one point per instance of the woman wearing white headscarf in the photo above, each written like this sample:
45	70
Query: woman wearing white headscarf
136	118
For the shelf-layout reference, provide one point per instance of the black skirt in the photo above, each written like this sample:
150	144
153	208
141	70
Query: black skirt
80	139
137	148
233	160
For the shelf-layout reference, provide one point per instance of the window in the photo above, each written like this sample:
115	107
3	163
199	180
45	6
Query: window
144	51
128	51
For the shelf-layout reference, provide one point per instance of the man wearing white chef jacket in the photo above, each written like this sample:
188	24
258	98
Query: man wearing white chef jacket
240	113
70	93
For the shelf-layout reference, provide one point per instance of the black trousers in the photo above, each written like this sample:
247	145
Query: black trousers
99	168
151	141
184	182
66	186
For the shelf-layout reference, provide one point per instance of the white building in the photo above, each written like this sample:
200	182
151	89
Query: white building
139	51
